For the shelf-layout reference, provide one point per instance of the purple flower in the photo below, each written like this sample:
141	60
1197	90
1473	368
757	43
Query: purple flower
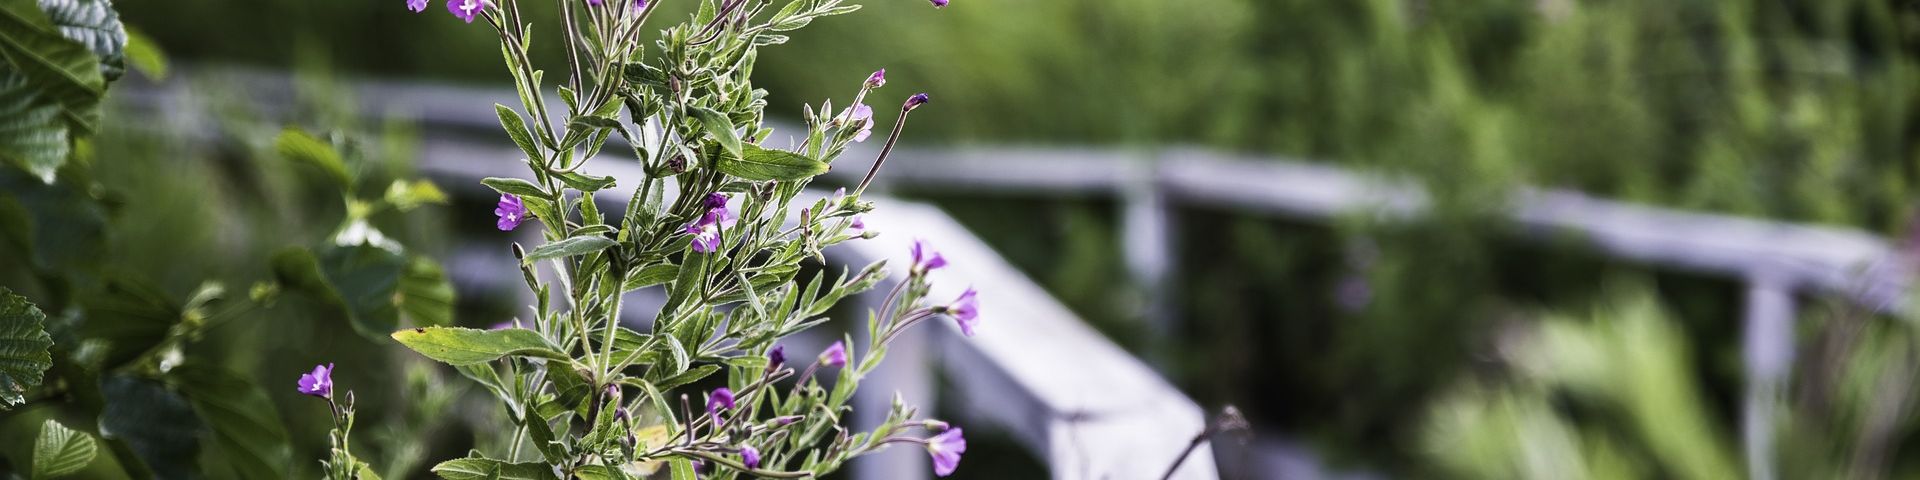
466	9
595	3
715	200
877	79
924	258
750	457
699	467
786	420
720	399
946	449
858	223
706	233
916	101
776	357
319	383
510	211
835	355
965	310
863	115
939	3
417	6
639	5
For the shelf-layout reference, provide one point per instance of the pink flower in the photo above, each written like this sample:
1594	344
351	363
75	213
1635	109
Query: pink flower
877	79
417	6
863	115
750	457
925	259
466	9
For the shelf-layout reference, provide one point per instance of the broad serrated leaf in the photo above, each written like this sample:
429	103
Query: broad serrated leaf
24	347
475	468
94	24
467	346
64	70
32	134
717	125
517	129
769	164
514	186
570	246
61	451
246	429
297	145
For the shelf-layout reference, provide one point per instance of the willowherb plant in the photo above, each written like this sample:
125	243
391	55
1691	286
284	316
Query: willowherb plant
712	223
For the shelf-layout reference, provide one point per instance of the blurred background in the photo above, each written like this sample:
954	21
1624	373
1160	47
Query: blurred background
1361	340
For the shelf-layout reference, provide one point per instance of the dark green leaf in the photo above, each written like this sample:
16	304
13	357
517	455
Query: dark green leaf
570	246
768	164
692	278
694	374
466	346
585	183
64	70
150	426
92	23
361	281
24	347
246	429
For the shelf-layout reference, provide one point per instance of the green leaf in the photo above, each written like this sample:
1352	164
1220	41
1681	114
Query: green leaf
514	186
144	55
517	129
360	281
61	451
721	129
247	432
300	147
477	468
467	346
600	472
587	122
694	374
651	275
32	134
426	296
64	70
585	183
683	468
405	195
130	315
692	278
570	246
92	23
24	347
768	164
150	427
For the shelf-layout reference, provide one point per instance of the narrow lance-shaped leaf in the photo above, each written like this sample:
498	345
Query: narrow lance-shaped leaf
570	246
476	468
467	346
298	146
769	164
721	129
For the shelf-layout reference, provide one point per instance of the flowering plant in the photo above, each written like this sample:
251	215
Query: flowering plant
712	224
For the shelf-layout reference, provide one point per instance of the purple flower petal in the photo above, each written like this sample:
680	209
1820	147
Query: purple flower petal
511	212
835	355
877	79
319	383
720	400
925	258
776	357
417	6
940	4
750	457
466	9
946	449
966	310
916	101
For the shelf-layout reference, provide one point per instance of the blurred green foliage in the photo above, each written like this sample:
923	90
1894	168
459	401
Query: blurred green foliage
1802	110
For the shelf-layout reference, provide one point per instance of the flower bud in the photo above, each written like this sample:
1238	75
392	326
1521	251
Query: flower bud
916	101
